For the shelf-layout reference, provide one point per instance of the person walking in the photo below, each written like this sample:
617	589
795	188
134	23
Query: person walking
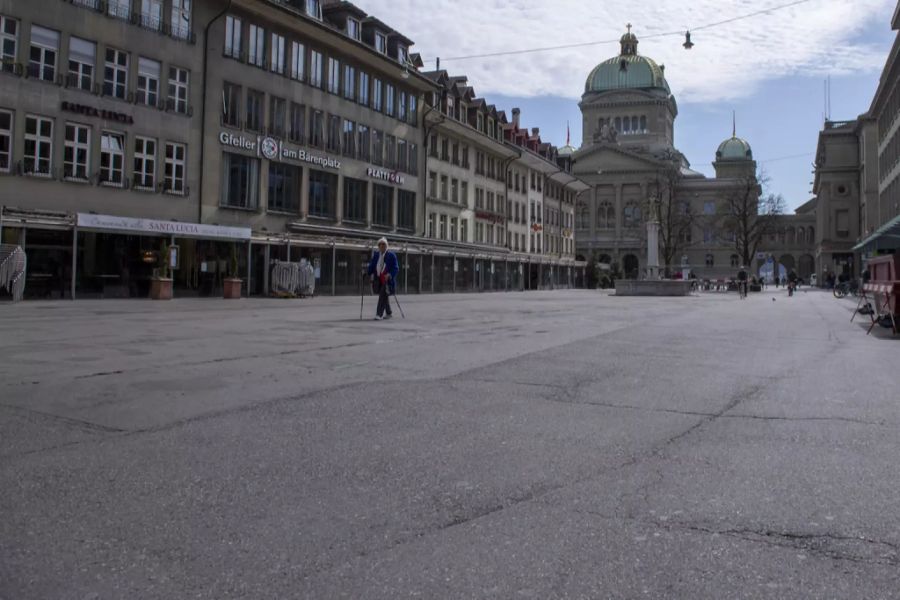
742	282
383	270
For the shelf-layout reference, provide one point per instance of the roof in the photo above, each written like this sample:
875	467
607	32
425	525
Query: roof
628	70
734	148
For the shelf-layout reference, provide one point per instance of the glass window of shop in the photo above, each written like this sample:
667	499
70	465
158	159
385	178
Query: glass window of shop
354	200
383	199
322	194
49	272
406	210
284	188
240	187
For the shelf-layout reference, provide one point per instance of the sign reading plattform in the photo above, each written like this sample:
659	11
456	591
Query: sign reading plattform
385	175
152	226
272	149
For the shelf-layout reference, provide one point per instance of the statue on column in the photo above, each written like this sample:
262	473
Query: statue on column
608	133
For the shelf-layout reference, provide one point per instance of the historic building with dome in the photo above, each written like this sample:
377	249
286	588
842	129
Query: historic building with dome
629	159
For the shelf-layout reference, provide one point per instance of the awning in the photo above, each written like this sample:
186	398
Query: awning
886	237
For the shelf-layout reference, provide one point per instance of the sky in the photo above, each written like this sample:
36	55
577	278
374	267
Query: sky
769	69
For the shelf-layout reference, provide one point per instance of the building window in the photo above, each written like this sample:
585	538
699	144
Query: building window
77	152
349	141
401	106
444	188
445	149
322	194
5	141
314	9
178	90
334	75
151	14
115	74
442	227
181	18
144	172
710	260
378	147
432	184
390	152
381	43
112	159
316	128
148	81
363	95
333	141
82	56
284	188
377	101
402	156
120	9
413	113
454	229
254	115
353	29
406	210
38	145
454	190
349	82
365	143
43	53
464	230
257	46
241	185
431	228
708	236
315	68
389	100
277	108
632	216
606	216
298	61
383	200
354	200
231	104
176	162
277	64
734	260
9	41
295	124
413	159
842	223
232	37
709	208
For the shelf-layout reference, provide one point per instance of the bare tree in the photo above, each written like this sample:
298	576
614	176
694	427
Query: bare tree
750	215
676	217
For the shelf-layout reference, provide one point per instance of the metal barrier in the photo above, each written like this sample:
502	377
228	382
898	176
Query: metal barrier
13	265
292	279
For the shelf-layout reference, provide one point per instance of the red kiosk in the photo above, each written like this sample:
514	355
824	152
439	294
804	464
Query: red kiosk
884	287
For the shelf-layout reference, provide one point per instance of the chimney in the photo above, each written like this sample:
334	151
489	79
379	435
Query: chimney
515	113
535	131
438	65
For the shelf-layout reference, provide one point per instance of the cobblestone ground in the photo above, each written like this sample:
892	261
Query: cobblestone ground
562	444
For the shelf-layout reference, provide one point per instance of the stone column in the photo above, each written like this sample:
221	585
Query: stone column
339	202
304	195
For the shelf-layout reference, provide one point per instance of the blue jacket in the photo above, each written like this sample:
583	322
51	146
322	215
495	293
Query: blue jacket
391	265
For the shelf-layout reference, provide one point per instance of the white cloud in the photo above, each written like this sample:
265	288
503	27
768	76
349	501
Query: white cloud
728	62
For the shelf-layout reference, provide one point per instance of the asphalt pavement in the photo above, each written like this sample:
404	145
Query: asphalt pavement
559	444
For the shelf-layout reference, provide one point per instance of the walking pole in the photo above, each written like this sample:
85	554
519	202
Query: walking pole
398	304
362	294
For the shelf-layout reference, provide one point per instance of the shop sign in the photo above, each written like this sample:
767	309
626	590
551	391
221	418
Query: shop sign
152	226
273	149
90	111
385	175
486	216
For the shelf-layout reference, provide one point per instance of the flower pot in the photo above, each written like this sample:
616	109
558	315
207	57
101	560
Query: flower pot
161	288
232	288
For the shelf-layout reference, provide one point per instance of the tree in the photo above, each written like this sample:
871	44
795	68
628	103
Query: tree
750	215
676	218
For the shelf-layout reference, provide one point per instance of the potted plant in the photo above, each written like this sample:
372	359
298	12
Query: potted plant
232	283
161	282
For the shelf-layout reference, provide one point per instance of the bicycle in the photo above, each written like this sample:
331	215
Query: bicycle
846	288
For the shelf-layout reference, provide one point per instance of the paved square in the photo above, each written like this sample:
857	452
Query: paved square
539	445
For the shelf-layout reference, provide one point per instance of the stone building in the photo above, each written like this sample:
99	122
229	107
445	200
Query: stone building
629	159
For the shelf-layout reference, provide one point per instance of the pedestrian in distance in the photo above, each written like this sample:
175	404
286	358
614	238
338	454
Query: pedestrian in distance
383	270
742	282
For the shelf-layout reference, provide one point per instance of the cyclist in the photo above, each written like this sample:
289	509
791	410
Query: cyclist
742	282
792	283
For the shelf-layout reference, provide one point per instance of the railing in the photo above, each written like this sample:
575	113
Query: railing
13	266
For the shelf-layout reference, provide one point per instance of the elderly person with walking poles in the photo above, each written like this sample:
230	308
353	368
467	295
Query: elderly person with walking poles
383	270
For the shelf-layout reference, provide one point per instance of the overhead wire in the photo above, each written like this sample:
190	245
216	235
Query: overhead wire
613	41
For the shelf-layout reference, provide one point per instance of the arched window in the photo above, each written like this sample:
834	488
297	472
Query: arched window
643	124
618	123
626	125
605	259
606	216
801	235
582	216
632	216
811	235
791	235
710	260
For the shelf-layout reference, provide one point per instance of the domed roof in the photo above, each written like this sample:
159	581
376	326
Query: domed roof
628	70
734	148
567	150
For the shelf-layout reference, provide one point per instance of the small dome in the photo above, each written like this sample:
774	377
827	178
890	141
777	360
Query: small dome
734	148
567	150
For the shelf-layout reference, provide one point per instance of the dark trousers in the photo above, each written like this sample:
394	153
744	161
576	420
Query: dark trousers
384	303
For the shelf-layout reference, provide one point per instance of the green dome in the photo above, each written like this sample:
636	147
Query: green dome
734	148
567	150
627	71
